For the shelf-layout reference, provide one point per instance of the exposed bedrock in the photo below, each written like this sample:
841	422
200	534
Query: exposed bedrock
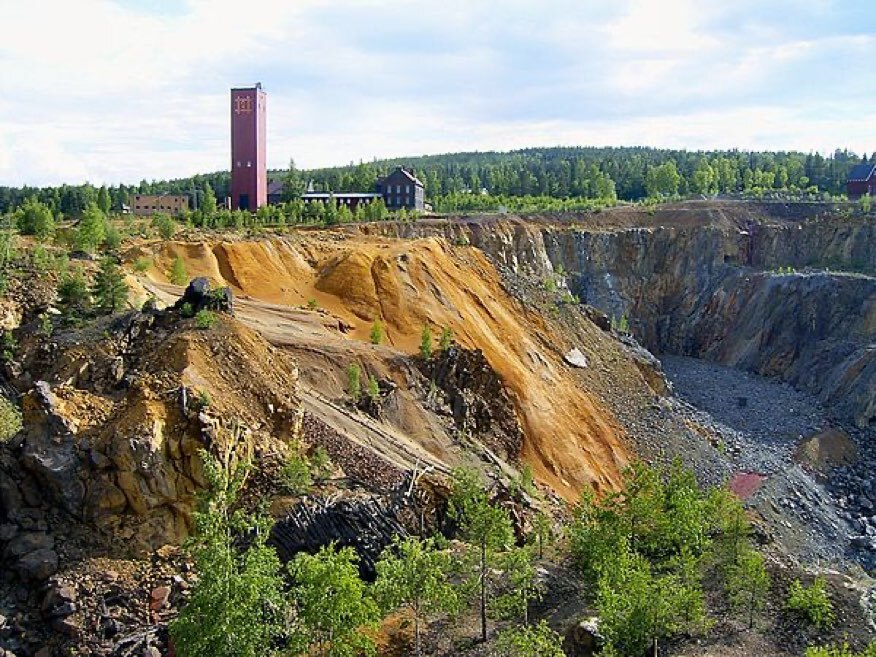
714	291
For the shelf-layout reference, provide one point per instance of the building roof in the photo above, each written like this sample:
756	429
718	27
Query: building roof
862	172
275	187
407	175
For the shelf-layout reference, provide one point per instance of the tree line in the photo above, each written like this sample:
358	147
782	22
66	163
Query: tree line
565	173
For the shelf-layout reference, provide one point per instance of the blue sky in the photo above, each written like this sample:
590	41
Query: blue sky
120	90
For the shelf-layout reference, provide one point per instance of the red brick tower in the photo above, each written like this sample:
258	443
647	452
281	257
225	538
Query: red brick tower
249	170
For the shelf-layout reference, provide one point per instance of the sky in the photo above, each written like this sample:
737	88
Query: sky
111	91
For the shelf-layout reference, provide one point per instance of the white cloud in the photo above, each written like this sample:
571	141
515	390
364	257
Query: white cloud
100	91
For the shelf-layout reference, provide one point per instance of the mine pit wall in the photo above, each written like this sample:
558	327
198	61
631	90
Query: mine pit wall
709	293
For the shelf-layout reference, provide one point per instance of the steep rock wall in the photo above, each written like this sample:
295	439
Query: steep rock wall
709	291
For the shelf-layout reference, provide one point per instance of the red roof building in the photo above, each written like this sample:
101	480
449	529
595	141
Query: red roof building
861	181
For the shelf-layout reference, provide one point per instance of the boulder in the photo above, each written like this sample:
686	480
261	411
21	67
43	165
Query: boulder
199	296
39	565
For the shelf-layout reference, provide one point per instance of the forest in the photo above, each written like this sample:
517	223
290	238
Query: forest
487	180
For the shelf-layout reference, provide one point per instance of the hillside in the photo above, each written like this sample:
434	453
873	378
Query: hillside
763	315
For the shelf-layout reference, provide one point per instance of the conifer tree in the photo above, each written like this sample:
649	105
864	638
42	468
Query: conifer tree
110	288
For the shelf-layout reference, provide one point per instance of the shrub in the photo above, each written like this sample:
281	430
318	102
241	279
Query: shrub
110	288
295	475
376	335
35	218
354	382
373	389
113	238
10	419
187	310
812	603
178	273
426	343
165	225
312	304
446	339
92	229
237	605
205	319
530	641
321	465
73	291
142	265
41	258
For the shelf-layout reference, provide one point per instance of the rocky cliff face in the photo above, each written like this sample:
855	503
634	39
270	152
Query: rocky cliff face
713	290
116	421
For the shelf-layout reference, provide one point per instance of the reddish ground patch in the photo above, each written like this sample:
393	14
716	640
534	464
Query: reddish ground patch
744	484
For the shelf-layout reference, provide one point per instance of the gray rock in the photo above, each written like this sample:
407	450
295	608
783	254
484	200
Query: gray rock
38	565
27	542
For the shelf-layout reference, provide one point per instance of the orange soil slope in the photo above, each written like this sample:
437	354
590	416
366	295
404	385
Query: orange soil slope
571	440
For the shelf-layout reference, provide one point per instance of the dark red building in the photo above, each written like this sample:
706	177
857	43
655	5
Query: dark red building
862	180
249	170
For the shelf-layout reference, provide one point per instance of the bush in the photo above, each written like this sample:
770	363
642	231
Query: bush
446	338
842	650
142	265
354	382
110	288
205	319
165	225
35	218
73	291
92	229
295	475
812	603
426	343
113	238
187	310
178	273
530	641
376	335
10	419
312	304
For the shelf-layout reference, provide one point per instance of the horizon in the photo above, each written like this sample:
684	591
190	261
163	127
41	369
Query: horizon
118	91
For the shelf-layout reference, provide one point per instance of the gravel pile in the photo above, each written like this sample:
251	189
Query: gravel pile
758	423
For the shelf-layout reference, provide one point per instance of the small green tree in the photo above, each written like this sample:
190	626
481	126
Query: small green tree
812	603
35	218
354	382
376	335
530	641
112	239
484	526
73	293
165	225
426	343
295	475
110	288
178	273
541	533
103	199
373	389
208	202
747	584
91	231
521	585
332	605
866	203
321	464
10	419
446	339
237	607
412	573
